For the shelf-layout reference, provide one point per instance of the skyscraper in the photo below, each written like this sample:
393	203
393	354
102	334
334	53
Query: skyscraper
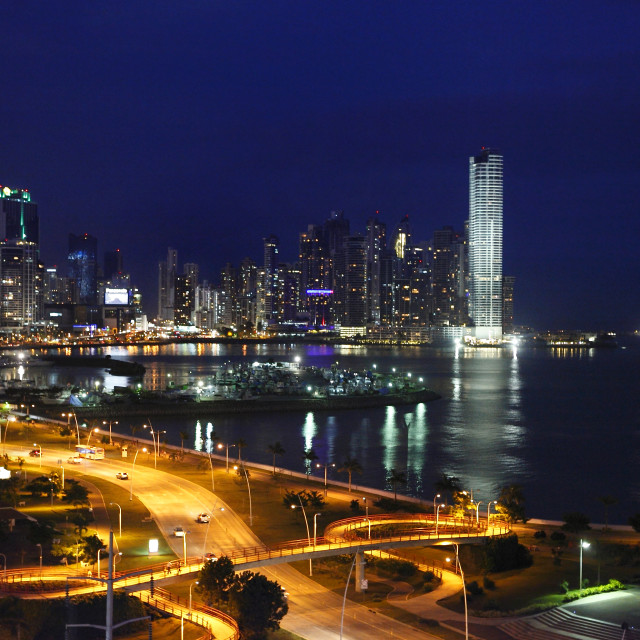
485	243
83	268
19	216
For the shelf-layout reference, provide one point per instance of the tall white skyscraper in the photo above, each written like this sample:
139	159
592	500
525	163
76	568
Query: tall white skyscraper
485	244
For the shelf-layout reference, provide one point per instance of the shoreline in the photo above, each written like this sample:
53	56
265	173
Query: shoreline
220	407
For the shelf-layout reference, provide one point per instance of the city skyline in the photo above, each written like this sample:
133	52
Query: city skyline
267	118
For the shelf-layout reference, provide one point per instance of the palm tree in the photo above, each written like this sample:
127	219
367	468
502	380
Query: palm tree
184	435
309	457
350	466
447	485
607	501
277	450
240	444
511	503
396	478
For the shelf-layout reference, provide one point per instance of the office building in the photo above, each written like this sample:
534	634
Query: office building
485	244
83	268
19	216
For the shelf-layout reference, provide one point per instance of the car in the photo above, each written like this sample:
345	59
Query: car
210	557
203	517
123	475
178	532
74	460
35	453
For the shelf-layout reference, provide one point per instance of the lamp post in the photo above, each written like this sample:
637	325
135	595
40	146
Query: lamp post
494	502
191	585
369	523
153	439
315	528
40	451
438	516
206	535
434	501
115	557
366	507
91	432
464	592
114	422
184	547
39	545
246	475
62	477
68	416
99	550
583	545
119	517
223	446
318	465
133	465
304	513
477	506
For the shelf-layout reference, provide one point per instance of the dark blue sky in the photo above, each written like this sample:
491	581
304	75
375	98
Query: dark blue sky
208	125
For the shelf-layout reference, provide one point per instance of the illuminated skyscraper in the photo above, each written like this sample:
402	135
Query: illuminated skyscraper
19	216
83	268
485	243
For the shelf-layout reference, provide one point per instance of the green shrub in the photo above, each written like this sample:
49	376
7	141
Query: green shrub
540	534
558	536
488	583
396	568
474	588
502	554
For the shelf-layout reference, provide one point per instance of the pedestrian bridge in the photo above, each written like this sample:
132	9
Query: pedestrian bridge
353	535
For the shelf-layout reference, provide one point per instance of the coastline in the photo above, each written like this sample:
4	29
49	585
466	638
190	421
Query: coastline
272	404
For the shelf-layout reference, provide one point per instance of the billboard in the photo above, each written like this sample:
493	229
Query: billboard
116	297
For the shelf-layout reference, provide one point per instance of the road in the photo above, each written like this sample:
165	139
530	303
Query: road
314	612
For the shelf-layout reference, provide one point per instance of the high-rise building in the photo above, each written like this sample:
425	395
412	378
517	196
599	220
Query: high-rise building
485	244
376	246
167	272
508	285
18	291
112	264
268	283
19	216
83	268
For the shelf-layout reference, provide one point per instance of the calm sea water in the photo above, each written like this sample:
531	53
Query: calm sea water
564	424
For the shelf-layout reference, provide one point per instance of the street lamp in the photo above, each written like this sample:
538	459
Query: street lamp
68	416
191	585
223	446
206	535
114	422
494	502
438	516
464	592
366	507
119	516
99	550
318	465
434	501
133	465
246	475
477	506
315	528
583	545
304	513
62	477
153	439
39	545
40	450
91	432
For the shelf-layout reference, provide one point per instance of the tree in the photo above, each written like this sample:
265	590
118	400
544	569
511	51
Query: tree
277	450
81	517
447	486
184	435
396	478
241	444
309	457
607	501
315	499
9	490
634	521
511	503
575	522
350	466
75	493
258	604
215	579
39	486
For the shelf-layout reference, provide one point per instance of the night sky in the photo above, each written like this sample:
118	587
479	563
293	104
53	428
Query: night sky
207	125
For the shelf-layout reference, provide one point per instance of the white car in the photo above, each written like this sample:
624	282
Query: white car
203	517
122	475
74	460
178	532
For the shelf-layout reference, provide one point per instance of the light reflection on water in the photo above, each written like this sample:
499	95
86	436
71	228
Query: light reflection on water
540	418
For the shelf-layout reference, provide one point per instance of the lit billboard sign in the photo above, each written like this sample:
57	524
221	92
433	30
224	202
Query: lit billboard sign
116	297
319	292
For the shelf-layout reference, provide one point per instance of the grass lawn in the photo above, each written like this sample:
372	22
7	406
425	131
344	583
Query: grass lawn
613	556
